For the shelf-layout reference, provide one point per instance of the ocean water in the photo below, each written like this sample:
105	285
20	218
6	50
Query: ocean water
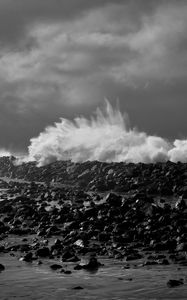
22	280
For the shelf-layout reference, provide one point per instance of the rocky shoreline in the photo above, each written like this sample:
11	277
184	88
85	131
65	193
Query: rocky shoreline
67	211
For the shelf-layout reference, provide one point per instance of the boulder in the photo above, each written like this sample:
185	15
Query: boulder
43	252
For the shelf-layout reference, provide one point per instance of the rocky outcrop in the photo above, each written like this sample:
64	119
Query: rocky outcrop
161	178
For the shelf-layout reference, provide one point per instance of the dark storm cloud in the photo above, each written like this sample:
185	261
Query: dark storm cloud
17	15
59	58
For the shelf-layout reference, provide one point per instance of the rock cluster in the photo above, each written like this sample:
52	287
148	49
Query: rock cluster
68	211
79	222
161	178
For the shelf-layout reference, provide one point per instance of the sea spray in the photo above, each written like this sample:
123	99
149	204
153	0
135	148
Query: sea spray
106	136
4	152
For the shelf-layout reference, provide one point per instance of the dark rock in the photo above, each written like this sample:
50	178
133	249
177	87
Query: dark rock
62	270
67	272
27	257
69	256
174	283
78	267
2	248
43	252
163	262
93	264
24	240
55	267
20	231
78	287
2	267
113	199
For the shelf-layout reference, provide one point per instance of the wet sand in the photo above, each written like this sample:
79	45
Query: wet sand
22	280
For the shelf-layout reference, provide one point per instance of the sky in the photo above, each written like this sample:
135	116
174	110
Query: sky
62	58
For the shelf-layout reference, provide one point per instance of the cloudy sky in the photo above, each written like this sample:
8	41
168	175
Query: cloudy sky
61	58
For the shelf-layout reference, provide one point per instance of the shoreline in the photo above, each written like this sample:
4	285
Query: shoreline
45	224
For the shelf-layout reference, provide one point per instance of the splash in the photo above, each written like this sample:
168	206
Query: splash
107	137
4	152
